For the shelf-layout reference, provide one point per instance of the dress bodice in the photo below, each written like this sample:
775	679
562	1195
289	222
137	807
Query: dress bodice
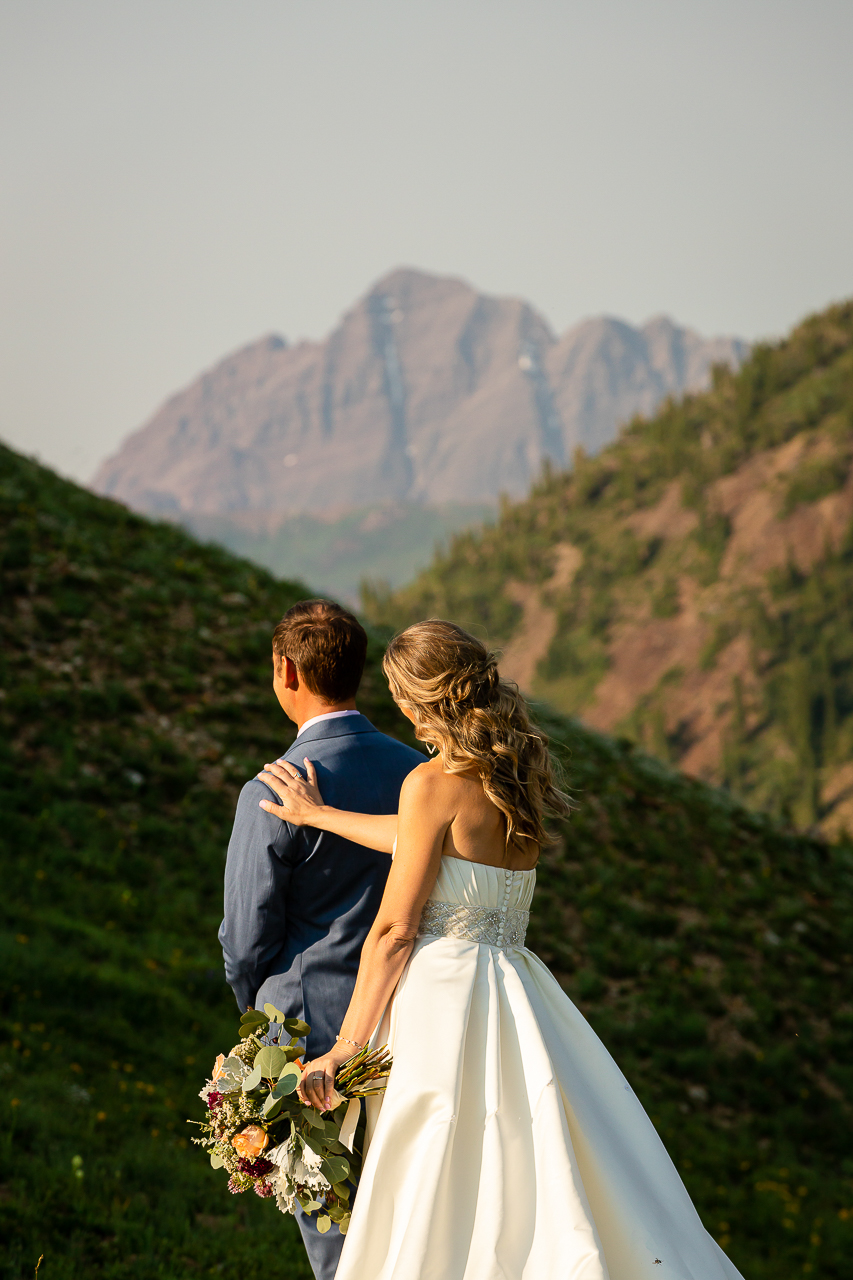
473	884
478	903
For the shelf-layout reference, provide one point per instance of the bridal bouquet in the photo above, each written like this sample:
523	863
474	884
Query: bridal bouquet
260	1133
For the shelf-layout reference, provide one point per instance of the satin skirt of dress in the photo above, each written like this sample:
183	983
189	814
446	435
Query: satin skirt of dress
508	1144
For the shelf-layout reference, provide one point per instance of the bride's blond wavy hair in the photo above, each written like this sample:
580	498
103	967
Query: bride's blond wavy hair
449	680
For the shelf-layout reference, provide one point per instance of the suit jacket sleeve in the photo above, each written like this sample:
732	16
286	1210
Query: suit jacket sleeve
257	875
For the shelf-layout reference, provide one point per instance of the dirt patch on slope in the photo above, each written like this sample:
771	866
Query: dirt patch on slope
761	539
532	640
666	519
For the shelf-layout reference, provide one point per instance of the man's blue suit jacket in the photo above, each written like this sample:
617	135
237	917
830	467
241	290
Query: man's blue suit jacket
300	902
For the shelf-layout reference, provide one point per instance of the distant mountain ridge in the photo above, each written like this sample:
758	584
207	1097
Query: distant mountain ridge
427	392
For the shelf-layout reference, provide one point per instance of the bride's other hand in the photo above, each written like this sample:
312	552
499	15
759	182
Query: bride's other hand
300	798
316	1088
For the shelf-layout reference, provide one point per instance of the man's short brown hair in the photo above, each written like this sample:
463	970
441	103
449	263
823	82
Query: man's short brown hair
327	645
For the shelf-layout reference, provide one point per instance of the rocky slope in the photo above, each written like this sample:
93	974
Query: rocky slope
427	392
706	944
690	588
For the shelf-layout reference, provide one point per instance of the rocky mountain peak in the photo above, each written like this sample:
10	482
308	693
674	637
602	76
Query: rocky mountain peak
426	392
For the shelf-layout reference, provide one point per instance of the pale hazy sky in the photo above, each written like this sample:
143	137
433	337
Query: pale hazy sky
182	176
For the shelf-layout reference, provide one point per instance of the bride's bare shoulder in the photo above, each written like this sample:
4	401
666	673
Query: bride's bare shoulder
424	776
428	783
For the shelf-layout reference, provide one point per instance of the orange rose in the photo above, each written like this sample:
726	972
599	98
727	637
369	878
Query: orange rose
217	1067
250	1143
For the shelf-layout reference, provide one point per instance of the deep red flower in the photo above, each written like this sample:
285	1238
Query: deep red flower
255	1168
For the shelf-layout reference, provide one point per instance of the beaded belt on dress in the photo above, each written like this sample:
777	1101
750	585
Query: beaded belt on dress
474	924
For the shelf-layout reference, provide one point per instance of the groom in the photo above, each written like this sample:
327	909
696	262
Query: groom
300	902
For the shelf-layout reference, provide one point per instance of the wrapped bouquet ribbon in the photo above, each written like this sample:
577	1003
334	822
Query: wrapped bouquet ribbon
257	1129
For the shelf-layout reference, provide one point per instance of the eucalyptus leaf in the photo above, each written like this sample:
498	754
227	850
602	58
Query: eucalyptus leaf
270	1061
311	1141
336	1169
290	1104
312	1117
274	1015
344	1223
287	1082
341	1190
296	1026
253	1017
293	1052
332	1130
271	1107
216	1162
290	1069
245	1032
252	1022
252	1080
323	1223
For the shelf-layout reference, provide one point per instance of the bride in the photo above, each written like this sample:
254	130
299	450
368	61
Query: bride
508	1144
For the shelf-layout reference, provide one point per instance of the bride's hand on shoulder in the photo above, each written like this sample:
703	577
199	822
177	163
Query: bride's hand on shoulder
300	797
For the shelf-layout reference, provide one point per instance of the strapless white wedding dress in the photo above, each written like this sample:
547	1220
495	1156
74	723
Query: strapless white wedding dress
508	1144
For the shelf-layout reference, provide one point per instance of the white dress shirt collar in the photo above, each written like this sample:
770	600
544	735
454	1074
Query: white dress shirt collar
327	715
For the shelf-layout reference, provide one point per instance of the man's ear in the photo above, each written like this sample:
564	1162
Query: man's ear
289	673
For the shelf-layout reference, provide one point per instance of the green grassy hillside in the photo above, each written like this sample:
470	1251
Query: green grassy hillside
692	586
709	947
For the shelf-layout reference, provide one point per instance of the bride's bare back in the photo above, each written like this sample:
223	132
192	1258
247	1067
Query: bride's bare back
477	828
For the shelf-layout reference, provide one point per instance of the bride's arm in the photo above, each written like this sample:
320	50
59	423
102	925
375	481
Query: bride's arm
302	806
425	814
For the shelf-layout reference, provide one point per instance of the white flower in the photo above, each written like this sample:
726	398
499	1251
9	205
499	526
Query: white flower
298	1166
285	1196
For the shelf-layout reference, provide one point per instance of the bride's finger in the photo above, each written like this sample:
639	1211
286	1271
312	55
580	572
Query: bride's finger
323	1089
311	771
282	770
276	809
281	785
309	1070
318	1088
290	770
